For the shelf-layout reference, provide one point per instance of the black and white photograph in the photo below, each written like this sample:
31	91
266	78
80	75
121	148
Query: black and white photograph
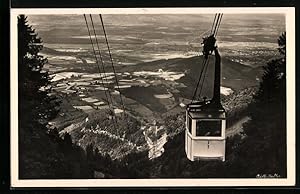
153	97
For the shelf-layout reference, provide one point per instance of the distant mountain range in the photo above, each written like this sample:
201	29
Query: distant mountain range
147	37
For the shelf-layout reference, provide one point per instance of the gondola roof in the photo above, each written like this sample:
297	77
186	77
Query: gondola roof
206	110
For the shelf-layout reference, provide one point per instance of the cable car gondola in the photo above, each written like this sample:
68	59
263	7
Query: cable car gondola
206	119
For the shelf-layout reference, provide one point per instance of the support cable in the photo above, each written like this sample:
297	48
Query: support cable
97	62
200	91
218	17
218	25
200	76
112	63
95	55
212	27
101	59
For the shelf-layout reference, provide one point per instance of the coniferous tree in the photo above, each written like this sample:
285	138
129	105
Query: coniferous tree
42	152
31	76
266	133
33	80
35	106
282	44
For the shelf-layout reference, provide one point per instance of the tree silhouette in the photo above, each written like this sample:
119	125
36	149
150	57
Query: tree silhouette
266	133
31	76
33	80
42	152
282	44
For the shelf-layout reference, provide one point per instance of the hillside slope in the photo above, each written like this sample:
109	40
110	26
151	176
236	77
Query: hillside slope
235	75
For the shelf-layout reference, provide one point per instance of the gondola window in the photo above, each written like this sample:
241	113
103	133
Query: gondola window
208	127
189	122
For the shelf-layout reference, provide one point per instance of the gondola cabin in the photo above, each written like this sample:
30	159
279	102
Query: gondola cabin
206	120
205	131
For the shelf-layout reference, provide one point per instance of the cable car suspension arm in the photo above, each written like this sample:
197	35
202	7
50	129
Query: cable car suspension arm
209	44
